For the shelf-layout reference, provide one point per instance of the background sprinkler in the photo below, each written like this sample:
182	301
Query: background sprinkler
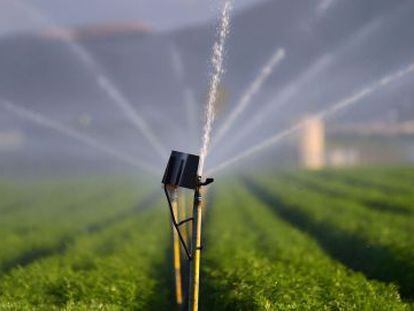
181	172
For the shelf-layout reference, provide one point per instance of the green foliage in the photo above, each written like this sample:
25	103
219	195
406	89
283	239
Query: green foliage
379	244
257	261
115	256
329	240
60	211
374	197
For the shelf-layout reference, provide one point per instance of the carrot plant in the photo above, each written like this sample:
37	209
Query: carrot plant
257	261
378	244
124	266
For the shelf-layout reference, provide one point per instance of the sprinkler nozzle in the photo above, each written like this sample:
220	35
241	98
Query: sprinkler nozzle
207	182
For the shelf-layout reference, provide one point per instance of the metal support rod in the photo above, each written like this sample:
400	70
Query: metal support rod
176	251
182	203
195	252
185	230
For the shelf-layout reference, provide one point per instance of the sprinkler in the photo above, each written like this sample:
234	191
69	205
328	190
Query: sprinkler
182	171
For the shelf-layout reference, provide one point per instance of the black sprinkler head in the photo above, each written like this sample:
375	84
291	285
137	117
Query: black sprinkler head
181	170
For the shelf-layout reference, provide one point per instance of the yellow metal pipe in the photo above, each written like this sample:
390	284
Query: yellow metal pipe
194	286
182	204
177	253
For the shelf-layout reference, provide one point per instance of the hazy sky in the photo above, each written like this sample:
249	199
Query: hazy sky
158	14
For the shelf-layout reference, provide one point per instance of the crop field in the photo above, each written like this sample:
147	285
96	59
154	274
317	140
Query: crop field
282	240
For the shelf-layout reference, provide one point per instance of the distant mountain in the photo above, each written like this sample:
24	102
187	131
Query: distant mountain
363	41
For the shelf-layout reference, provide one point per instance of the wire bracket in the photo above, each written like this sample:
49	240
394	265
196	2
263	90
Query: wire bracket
183	222
177	225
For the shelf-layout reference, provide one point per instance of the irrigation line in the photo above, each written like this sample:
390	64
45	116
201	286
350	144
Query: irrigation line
42	120
322	114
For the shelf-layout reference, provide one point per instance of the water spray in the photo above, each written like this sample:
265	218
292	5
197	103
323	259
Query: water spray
284	96
41	120
217	60
323	114
287	94
102	80
130	113
182	171
248	95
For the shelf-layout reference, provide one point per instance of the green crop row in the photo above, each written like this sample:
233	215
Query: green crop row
378	244
371	197
28	199
384	180
124	266
254	260
50	225
296	241
13	196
